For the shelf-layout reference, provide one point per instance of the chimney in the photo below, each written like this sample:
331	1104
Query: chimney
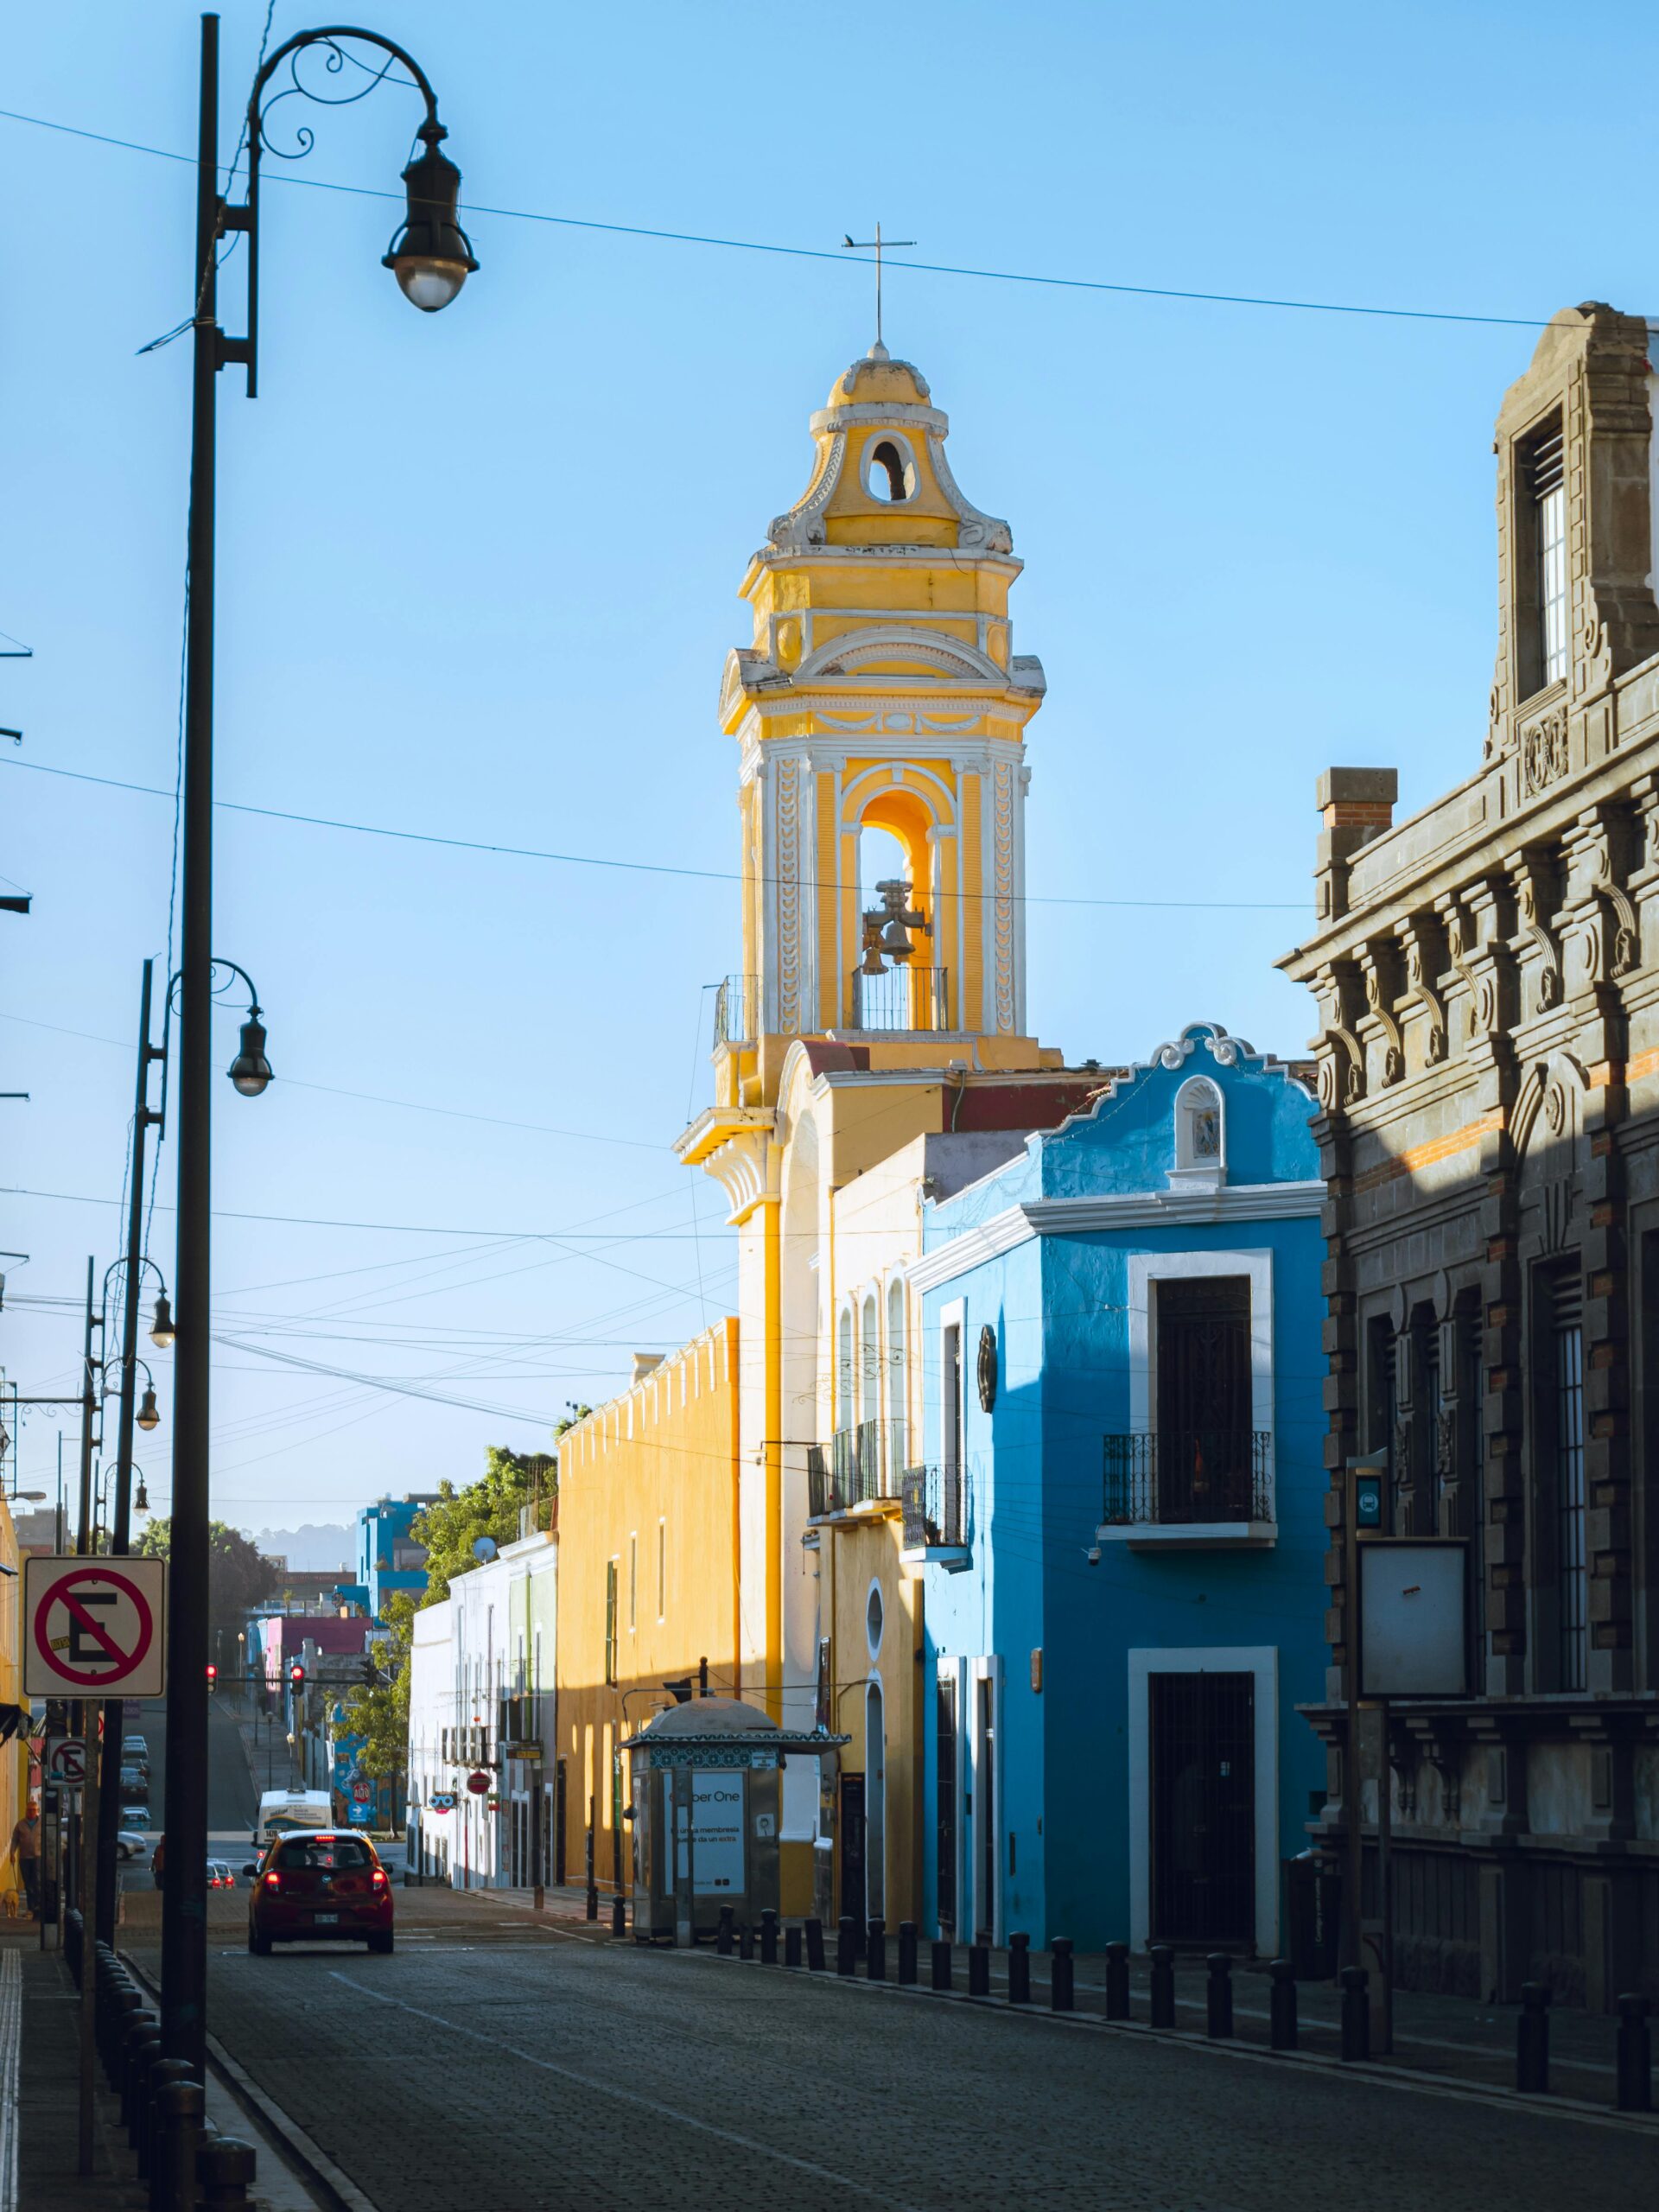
1355	805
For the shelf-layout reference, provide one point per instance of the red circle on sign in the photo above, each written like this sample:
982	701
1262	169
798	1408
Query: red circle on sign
130	1660
477	1783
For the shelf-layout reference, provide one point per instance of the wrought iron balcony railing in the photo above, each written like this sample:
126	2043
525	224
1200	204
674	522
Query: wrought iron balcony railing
902	998
933	1516
1184	1475
857	1466
737	1010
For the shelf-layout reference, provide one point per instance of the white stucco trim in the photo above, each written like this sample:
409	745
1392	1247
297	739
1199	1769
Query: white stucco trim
1149	1267
1261	1661
1235	1202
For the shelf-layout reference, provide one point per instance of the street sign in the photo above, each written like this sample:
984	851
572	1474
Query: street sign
1367	1501
477	1783
361	1813
362	1792
66	1761
442	1801
1413	1642
92	1626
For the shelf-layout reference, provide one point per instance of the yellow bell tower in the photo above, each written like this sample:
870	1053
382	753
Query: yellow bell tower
881	693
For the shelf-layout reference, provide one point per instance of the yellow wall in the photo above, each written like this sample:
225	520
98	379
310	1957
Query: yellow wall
657	1464
854	1550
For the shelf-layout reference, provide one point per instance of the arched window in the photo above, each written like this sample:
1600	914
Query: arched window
844	1370
869	1379
898	1396
1200	1135
889	473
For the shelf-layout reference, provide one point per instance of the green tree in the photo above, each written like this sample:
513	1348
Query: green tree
240	1576
379	1712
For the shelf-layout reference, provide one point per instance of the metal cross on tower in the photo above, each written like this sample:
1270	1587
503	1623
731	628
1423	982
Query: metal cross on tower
863	245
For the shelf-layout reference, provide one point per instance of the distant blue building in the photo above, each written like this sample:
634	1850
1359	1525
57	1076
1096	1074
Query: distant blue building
1120	1526
388	1558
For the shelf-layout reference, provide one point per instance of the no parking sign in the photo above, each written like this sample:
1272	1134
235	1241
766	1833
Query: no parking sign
93	1627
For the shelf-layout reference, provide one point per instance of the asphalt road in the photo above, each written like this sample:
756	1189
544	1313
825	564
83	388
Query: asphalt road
495	2061
232	1800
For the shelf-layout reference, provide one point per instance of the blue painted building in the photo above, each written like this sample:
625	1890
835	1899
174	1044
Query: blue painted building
1121	1525
388	1558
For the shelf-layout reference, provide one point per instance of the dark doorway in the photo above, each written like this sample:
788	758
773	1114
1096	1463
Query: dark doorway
558	1824
985	1773
850	1829
1203	1729
944	1784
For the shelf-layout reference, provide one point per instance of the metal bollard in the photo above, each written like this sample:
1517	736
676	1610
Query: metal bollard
164	2074
979	1970
1635	2054
224	2167
943	1965
745	1942
144	2042
876	1951
124	2007
173	2174
1117	1981
908	1953
769	1937
593	1877
1162	2013
1356	2014
1532	2041
1061	1996
1019	1968
723	1934
814	1934
1281	2006
1218	1996
846	1943
793	1946
619	1915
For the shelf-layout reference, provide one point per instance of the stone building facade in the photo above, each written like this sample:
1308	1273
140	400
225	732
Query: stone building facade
1488	979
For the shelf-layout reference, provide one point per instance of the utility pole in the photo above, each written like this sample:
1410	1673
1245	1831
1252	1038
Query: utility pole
121	1528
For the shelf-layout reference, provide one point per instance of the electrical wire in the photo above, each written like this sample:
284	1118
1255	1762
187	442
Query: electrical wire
839	256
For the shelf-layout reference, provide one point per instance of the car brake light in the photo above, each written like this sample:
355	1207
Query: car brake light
377	1880
273	1881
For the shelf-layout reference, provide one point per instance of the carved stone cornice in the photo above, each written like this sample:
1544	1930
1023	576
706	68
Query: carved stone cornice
1421	939
1337	1052
1378	963
1531	875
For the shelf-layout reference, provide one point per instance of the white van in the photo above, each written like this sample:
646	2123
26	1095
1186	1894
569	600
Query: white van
282	1810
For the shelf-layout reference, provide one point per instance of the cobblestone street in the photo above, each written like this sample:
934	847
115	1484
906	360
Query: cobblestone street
500	2060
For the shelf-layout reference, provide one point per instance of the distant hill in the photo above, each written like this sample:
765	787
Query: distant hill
312	1547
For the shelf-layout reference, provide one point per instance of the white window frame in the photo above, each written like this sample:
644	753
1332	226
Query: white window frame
954	1316
1189	1172
881	435
1261	1661
1149	1268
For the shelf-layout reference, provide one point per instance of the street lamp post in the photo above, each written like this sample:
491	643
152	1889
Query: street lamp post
431	258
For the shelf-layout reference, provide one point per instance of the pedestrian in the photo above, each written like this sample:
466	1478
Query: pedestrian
26	1850
158	1859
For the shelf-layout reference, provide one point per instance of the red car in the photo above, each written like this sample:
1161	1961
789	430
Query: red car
320	1887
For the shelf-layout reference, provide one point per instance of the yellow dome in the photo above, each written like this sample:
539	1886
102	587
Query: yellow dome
877	380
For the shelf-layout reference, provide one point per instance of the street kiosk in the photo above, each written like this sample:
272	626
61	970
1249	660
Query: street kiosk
707	1800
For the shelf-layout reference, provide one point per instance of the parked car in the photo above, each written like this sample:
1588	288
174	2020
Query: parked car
323	1887
220	1876
131	1846
135	1745
138	1816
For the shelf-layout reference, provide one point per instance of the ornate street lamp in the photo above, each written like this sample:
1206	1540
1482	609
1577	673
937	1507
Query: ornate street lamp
431	257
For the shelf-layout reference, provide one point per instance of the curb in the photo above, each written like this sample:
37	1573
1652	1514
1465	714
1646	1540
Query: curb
1407	2078
284	2135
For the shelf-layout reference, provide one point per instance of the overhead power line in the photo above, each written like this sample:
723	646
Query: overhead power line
638	867
839	256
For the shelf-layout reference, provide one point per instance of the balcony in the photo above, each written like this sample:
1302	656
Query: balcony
901	997
935	1520
1193	1486
737	1010
859	1466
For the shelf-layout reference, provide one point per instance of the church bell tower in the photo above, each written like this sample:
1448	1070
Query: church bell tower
881	693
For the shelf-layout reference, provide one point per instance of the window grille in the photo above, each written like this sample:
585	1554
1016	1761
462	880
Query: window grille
1547	483
1572	1571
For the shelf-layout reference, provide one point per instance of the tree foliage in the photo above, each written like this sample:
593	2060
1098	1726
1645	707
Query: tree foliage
379	1712
240	1576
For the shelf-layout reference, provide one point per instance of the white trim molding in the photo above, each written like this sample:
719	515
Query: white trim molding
1261	1661
1234	1202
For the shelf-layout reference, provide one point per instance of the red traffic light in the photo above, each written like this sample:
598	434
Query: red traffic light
296	1675
212	1672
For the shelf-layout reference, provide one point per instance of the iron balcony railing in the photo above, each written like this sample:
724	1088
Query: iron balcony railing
857	1466
933	1502
1193	1474
737	1010
902	998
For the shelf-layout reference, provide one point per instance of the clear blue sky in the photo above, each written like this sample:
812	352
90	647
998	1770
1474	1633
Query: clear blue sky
477	576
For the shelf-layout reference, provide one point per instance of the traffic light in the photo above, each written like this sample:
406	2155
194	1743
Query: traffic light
213	1678
296	1677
